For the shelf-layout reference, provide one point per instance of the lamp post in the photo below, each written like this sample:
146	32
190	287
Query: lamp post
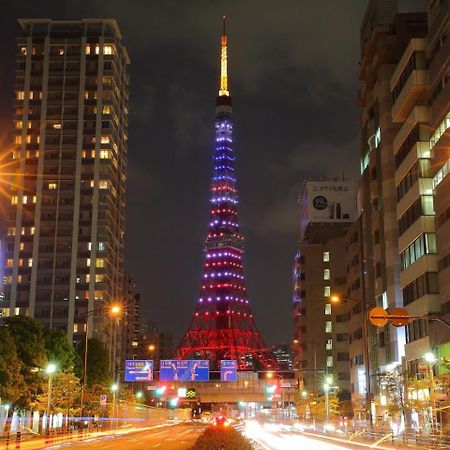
86	340
115	311
270	375
431	359
326	388
114	390
49	370
365	336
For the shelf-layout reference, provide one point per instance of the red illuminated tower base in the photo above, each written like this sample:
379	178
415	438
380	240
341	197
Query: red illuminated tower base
223	326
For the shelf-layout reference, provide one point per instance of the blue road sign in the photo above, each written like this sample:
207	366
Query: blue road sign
228	370
138	370
184	370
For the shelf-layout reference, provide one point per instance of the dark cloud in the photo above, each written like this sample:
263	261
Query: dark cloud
293	79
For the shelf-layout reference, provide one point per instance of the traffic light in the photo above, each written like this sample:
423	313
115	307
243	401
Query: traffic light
271	388
160	391
173	402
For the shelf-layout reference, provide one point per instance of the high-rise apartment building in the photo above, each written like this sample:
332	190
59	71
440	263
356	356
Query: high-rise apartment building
65	225
384	37
438	101
321	340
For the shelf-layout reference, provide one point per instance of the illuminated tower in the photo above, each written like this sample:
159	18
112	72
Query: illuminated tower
223	326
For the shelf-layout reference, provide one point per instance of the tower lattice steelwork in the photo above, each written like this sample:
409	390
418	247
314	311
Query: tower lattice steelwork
223	326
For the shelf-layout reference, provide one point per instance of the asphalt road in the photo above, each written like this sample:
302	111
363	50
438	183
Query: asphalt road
172	437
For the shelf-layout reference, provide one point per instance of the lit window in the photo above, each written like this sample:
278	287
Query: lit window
92	183
30	262
97	49
107	50
19	124
9	263
23	50
22	231
107	80
101	246
104	154
326	291
15	155
61	51
86	95
34	199
100	262
89	246
57	126
98	295
19	278
20	95
31	95
88	263
52	185
25	199
17	139
105	140
329	361
326	256
88	277
32	230
326	274
106	109
88	49
22	246
11	231
328	326
8	279
75	328
99	278
20	262
103	184
38	140
327	309
14	200
329	344
28	138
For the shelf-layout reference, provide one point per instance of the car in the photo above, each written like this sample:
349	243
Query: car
222	420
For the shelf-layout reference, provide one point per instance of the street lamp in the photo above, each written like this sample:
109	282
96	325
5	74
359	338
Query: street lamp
116	311
114	389
365	335
270	375
431	359
50	370
326	388
83	385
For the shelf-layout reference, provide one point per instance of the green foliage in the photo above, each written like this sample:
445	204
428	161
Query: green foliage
314	407
60	350
11	378
92	405
66	392
226	438
97	363
29	340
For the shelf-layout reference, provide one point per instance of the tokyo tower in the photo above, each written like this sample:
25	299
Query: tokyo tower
223	326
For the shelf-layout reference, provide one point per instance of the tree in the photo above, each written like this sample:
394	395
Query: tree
97	363
28	337
66	391
345	403
11	378
92	404
60	350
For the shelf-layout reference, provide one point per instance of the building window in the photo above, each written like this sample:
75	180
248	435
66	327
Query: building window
103	184
107	50
52	185
328	326
105	140
20	95
14	200
99	262
75	328
329	344
104	154
327	309
329	361
326	274
427	283
326	257
9	263
423	245
326	291
101	246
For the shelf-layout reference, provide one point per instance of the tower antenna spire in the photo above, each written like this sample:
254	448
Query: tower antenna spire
223	91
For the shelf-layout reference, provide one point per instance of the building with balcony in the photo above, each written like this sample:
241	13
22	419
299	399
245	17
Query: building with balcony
65	225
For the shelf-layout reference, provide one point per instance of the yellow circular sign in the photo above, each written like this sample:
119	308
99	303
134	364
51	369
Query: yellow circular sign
378	317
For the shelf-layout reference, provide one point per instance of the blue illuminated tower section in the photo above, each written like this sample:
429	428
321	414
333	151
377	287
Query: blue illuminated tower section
223	326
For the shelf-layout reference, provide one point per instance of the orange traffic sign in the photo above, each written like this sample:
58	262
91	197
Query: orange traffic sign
400	317
378	317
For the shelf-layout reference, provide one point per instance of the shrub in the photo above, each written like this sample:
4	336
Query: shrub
218	438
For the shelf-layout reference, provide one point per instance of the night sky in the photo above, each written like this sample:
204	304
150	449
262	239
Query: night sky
293	66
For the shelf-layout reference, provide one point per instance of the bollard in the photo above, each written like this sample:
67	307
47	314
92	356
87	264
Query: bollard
18	436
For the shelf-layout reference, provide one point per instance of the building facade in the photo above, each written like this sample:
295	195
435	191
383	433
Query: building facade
320	342
65	225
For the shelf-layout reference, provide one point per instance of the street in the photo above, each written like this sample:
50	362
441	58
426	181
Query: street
272	436
171	437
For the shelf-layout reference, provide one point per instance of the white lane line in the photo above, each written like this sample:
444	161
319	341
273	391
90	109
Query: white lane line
157	445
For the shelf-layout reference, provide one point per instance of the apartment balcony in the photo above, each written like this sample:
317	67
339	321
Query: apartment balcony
421	187
412	92
426	263
418	348
424	224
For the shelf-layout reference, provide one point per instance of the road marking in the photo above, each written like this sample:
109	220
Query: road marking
157	445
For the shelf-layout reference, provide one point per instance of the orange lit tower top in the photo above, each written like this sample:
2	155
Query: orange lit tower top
223	64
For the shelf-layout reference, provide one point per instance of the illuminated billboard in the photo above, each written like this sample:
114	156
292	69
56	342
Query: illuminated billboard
228	370
331	201
184	370
138	370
